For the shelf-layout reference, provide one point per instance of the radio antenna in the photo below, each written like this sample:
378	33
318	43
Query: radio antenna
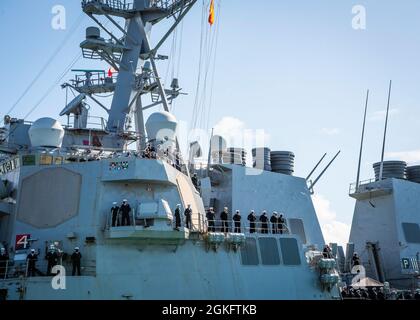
361	142
381	169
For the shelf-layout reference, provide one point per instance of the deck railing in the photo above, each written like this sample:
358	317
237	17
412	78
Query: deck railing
200	224
353	186
113	4
219	225
10	269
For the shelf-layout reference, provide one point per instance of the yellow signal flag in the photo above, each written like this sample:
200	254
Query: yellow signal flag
211	13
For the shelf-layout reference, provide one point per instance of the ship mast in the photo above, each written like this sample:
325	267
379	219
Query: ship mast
127	55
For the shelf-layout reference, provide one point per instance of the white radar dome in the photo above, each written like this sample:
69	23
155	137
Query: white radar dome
161	126
46	132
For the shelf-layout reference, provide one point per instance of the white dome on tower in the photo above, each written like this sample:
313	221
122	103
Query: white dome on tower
161	126
46	132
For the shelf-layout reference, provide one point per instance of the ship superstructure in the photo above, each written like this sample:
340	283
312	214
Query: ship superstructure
385	231
60	182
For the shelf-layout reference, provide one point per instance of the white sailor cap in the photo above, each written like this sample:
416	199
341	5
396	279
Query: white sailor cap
264	212
274	212
124	200
115	202
2	249
178	205
76	248
32	250
225	208
237	211
252	211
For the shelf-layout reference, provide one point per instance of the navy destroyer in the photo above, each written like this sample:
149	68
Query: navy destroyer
62	183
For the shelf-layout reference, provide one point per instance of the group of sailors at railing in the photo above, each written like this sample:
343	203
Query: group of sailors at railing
276	224
28	268
123	215
172	157
378	293
369	293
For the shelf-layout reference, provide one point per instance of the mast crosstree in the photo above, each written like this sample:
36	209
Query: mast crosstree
127	54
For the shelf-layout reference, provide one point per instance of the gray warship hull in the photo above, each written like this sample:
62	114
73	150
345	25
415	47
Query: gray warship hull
158	262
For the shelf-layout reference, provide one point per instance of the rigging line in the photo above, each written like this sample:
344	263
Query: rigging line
67	95
214	64
208	51
210	55
180	49
178	64
72	63
74	95
174	53
197	91
202	92
46	65
47	93
51	88
168	65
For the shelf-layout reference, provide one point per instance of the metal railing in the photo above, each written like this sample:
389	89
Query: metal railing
118	221
113	4
170	5
226	226
94	79
10	269
353	186
134	219
364	185
219	225
201	224
126	5
93	122
165	4
171	158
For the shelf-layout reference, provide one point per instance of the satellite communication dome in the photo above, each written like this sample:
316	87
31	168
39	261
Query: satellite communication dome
161	126
46	132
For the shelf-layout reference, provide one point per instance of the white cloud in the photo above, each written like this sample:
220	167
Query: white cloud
238	135
333	230
229	126
330	131
411	156
380	115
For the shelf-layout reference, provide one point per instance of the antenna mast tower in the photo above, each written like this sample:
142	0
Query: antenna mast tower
127	54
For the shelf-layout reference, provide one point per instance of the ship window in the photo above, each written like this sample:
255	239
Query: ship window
289	251
411	232
269	251
296	227
249	254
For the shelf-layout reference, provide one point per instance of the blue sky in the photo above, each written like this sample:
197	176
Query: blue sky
296	69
